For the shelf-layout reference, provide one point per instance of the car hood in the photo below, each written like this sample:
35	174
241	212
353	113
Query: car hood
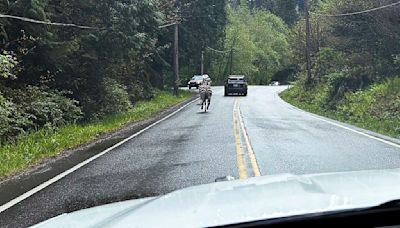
233	202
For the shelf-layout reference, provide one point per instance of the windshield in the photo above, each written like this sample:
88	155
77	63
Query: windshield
235	81
112	100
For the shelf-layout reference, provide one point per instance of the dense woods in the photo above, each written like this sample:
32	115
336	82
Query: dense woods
54	75
256	45
355	63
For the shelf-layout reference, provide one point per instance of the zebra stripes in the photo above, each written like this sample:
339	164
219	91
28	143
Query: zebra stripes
205	95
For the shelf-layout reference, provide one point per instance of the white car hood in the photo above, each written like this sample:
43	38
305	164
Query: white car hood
241	201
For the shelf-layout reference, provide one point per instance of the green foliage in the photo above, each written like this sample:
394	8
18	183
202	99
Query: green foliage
287	10
8	64
355	64
365	46
203	26
137	92
376	108
329	61
381	101
79	61
108	69
46	109
12	121
357	105
396	59
256	45
4	4
116	99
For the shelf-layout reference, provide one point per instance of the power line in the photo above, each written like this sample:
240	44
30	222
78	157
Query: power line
218	51
30	20
360	12
168	25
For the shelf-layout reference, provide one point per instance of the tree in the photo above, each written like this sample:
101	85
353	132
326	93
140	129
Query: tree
256	43
8	64
288	10
122	48
203	25
352	52
369	40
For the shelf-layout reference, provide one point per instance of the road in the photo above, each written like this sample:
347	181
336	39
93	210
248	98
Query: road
240	136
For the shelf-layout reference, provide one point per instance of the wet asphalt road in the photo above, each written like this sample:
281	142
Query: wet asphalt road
193	148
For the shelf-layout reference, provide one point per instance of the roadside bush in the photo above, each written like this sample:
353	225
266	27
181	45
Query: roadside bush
316	96
381	101
357	105
376	108
12	122
387	103
139	91
328	61
115	99
46	109
8	64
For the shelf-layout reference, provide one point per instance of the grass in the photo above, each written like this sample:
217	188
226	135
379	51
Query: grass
350	110
33	148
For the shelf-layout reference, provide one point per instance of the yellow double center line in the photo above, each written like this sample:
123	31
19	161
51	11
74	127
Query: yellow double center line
239	131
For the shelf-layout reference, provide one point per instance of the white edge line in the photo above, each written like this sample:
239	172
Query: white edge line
315	116
80	165
355	131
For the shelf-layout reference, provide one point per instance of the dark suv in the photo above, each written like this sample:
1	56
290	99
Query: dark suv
236	84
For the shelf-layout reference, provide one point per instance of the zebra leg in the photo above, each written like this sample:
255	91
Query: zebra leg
202	96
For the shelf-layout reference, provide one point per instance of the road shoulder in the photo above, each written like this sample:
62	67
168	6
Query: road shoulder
49	168
346	125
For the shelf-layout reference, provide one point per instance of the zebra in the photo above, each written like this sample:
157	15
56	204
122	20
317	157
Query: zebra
205	94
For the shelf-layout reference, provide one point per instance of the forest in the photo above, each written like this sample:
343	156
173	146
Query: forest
89	60
355	68
54	75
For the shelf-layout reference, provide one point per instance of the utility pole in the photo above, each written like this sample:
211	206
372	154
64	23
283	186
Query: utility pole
231	62
176	52
318	37
176	59
318	73
202	62
308	40
175	47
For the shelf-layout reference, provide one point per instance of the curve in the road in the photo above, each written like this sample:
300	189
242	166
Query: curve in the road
263	133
